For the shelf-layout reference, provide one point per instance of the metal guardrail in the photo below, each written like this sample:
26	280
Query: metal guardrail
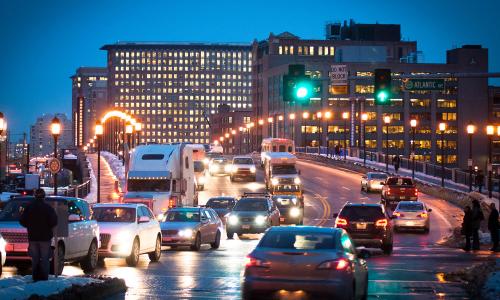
80	191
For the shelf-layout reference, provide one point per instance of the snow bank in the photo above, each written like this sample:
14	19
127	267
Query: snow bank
92	196
22	287
116	166
491	289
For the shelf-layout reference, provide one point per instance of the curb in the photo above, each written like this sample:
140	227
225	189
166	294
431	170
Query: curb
107	288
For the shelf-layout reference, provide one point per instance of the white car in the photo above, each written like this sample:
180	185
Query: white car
411	215
128	230
3	255
242	167
373	181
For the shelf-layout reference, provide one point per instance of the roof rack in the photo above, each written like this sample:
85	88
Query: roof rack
256	194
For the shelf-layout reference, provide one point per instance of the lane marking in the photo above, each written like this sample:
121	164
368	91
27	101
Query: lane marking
346	188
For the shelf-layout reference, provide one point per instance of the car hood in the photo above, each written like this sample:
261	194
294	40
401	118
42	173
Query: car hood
249	213
285	176
113	227
179	225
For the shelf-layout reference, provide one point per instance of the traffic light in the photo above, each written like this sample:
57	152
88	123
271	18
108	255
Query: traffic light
383	87
298	87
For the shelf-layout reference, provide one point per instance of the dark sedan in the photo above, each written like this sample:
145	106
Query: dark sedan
221	205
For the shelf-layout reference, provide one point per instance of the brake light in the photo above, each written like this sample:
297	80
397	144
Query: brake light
339	264
398	214
423	215
381	223
172	202
251	261
340	222
416	192
388	191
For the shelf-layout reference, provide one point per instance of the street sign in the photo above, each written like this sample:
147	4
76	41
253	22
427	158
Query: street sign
469	162
338	75
421	84
54	165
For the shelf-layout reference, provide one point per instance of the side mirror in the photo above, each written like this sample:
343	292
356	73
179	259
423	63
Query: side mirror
335	215
74	218
363	253
429	210
143	219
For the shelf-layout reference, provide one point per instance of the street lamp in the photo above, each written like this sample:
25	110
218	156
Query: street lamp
442	129
387	121
271	126
55	129
292	118
2	128
129	130
319	115
470	131
413	124
241	138
99	130
364	118
345	116
305	116
278	131
490	130
327	116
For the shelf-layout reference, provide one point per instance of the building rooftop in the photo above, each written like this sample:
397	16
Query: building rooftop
131	44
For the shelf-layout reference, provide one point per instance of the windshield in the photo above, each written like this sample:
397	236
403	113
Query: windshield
377	176
243	161
298	240
366	213
219	203
284	169
399	181
251	205
114	214
198	166
183	216
148	185
284	202
287	188
410	206
12	210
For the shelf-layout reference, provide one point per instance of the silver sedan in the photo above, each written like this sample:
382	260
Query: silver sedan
411	215
373	181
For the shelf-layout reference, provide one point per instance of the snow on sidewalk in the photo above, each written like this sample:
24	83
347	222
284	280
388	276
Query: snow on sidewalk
22	287
491	289
116	166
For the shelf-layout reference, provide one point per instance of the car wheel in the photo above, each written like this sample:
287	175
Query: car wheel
247	295
229	235
216	243
155	255
387	249
60	263
89	263
100	261
133	259
197	243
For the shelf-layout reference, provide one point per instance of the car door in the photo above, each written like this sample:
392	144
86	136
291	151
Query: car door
143	229
153	227
75	240
275	214
358	264
86	225
206	235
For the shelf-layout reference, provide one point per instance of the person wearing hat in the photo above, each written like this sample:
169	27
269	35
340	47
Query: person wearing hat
40	219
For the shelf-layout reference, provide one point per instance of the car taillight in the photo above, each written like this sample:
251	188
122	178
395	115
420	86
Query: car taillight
416	192
339	264
341	222
251	261
423	215
381	223
388	191
398	214
172	202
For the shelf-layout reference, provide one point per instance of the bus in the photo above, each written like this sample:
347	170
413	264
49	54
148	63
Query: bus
276	145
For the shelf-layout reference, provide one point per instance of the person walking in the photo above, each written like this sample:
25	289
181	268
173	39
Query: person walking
40	219
493	227
396	161
479	181
477	218
467	227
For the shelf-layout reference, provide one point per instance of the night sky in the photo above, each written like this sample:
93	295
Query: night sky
43	42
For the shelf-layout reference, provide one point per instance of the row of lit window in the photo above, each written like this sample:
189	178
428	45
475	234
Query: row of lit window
186	76
189	62
307	50
185	69
185	98
170	53
182	83
164	112
175	140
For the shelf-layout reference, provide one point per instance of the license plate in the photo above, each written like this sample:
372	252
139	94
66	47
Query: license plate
282	219
410	223
360	225
167	239
245	226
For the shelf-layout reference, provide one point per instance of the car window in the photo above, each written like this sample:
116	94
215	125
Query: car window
73	209
84	208
411	206
377	176
150	213
215	217
251	204
299	240
219	203
243	161
183	216
347	243
114	214
399	181
140	213
207	214
354	213
145	212
12	210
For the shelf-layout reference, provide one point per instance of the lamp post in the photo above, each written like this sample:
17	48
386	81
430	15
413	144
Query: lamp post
387	121
248	136
227	141
2	128
319	115
490	130
55	129
280	119
271	126
99	129
241	137
292	118
470	131
364	118
442	129
327	116
345	116
261	125
413	124
129	130
305	116
221	139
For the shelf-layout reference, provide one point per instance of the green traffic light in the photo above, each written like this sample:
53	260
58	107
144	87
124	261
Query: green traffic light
382	96
301	92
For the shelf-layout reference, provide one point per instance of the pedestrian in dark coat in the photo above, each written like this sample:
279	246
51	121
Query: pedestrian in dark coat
493	227
40	219
479	181
396	161
477	218
467	227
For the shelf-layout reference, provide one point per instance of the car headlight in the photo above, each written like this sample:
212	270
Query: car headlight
252	170
275	181
294	212
233	220
206	161
186	233
228	168
123	237
160	217
260	220
296	180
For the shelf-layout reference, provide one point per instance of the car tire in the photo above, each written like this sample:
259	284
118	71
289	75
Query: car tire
247	295
426	230
155	255
396	229
216	243
60	251
100	261
133	259
89	263
229	235
197	243
387	249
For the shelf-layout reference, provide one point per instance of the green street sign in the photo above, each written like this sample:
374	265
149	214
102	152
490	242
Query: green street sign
418	84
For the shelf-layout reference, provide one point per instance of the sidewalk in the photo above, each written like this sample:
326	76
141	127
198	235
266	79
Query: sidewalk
108	192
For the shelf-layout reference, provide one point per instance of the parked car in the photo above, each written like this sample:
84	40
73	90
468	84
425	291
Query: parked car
412	215
81	245
3	254
291	209
367	224
319	262
219	166
252	214
128	230
373	181
398	189
191	226
222	205
243	168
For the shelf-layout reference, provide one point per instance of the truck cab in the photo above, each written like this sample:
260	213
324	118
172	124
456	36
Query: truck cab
281	175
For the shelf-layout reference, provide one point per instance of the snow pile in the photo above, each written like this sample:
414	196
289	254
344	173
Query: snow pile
92	196
116	166
491	289
22	287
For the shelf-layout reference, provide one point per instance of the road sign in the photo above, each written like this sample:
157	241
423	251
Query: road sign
420	84
338	75
54	165
469	162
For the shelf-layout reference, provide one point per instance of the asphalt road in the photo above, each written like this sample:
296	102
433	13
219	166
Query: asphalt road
411	272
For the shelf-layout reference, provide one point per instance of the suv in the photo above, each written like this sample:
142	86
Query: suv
243	167
128	230
253	213
367	224
81	245
398	189
291	209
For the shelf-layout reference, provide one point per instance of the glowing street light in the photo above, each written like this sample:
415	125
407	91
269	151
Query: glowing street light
471	129
55	129
387	121
99	130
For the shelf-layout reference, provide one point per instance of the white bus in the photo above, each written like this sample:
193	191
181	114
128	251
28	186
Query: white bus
276	145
